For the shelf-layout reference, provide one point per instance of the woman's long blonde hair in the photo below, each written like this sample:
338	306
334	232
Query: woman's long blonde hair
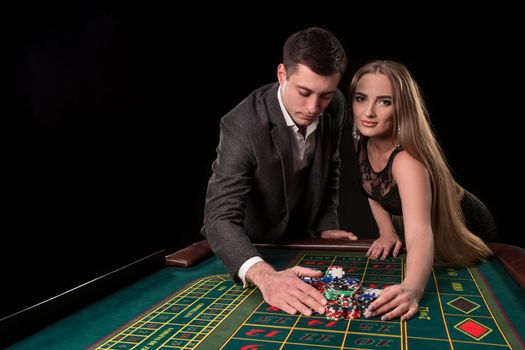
454	243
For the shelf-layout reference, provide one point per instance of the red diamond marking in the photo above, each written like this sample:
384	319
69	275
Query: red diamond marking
472	328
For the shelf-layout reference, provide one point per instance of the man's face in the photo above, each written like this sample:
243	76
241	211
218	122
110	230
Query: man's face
306	94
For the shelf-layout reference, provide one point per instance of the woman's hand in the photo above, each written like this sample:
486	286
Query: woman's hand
396	301
386	243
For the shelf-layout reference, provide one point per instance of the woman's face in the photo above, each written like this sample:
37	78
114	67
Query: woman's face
373	106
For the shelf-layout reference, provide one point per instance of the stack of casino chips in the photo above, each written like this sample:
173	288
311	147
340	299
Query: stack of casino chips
346	298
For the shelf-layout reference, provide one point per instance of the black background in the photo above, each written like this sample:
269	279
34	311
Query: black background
116	109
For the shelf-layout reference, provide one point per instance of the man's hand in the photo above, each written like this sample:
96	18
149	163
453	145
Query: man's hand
285	290
338	234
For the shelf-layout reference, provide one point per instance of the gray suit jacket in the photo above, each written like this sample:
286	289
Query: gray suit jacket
247	198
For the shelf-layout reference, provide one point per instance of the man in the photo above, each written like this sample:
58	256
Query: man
276	175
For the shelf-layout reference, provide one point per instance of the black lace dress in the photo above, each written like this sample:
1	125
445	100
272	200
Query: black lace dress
380	186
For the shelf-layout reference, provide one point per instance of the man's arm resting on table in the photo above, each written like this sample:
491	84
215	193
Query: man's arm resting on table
245	267
337	234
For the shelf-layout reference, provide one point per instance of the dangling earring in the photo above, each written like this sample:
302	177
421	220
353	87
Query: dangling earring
397	142
355	133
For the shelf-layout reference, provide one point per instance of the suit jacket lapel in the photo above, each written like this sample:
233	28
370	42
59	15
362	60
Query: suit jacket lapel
281	137
318	171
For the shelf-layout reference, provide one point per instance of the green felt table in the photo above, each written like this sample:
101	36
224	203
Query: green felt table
199	307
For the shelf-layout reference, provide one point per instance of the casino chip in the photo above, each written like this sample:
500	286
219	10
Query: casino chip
346	298
335	272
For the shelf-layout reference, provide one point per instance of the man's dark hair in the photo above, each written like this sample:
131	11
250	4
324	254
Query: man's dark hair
316	48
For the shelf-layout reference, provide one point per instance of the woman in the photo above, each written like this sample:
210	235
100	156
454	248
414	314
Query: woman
404	173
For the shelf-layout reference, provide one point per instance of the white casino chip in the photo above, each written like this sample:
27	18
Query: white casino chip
374	291
337	272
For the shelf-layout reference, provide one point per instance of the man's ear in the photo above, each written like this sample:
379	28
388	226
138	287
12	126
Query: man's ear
281	73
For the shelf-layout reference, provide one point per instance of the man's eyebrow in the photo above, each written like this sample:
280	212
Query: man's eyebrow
309	90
